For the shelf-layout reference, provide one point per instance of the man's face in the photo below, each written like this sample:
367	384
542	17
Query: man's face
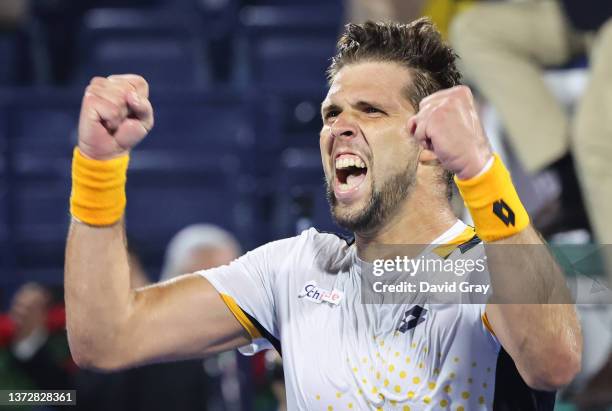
369	156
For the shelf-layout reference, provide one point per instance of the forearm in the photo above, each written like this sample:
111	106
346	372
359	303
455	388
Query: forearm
97	290
532	310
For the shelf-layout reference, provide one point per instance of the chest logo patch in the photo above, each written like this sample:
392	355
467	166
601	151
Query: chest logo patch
313	293
413	317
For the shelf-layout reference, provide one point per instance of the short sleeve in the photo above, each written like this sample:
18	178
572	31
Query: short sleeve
246	287
479	312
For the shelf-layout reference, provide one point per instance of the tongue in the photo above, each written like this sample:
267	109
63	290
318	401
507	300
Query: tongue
354	179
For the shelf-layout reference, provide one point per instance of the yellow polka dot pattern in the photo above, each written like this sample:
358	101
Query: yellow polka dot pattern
416	380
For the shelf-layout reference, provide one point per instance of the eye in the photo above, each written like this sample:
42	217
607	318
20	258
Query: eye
331	114
372	110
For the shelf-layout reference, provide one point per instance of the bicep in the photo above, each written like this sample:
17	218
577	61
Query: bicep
179	319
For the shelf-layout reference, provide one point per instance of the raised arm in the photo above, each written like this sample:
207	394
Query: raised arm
531	311
109	325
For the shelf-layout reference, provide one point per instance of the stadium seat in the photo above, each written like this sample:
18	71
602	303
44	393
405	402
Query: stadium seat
41	128
191	125
166	47
13	53
301	200
193	120
218	16
193	167
281	48
163	200
5	251
298	117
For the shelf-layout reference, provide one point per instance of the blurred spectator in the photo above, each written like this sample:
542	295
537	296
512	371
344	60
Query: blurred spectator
358	11
13	13
441	12
198	247
33	346
505	47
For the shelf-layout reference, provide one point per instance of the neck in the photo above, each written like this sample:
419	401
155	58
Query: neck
420	219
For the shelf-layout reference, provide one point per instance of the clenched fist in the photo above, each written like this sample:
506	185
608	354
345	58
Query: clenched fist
447	125
115	116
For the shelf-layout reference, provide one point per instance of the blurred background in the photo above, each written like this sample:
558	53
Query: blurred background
233	161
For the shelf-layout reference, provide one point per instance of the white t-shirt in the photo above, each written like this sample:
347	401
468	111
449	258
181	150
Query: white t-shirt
342	354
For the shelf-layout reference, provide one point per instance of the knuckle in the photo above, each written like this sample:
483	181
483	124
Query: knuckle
138	79
97	80
114	112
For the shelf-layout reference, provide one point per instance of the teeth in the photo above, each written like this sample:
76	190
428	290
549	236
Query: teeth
342	163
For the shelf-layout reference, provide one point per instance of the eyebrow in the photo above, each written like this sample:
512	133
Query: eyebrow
360	104
363	103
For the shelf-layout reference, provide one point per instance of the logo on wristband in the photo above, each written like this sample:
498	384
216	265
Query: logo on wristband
504	212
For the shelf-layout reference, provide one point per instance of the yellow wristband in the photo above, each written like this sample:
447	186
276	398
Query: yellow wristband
98	189
493	203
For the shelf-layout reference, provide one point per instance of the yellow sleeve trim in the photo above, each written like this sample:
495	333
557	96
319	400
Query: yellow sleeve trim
241	316
445	249
485	320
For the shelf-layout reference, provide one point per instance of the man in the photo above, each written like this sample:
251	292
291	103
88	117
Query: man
396	123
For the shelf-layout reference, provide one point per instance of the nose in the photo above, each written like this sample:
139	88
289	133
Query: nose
343	127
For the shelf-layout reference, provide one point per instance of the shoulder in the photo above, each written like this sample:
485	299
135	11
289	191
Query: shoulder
311	248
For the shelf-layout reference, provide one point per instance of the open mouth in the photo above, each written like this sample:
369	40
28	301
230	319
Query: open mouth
351	171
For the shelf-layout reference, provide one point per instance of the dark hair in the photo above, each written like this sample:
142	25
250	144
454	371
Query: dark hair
417	46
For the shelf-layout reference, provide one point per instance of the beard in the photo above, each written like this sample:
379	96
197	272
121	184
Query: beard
383	203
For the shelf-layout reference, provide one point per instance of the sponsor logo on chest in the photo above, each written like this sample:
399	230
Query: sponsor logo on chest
313	293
